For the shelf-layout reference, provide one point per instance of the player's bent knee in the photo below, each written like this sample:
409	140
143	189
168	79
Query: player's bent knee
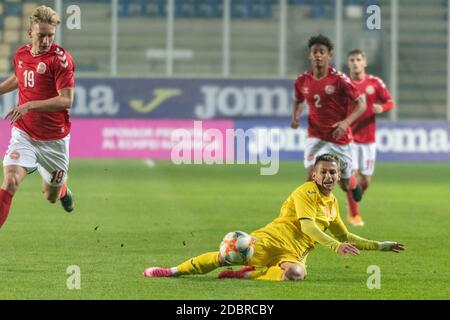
295	273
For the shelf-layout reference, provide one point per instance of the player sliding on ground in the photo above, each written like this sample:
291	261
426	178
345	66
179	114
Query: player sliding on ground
44	75
281	247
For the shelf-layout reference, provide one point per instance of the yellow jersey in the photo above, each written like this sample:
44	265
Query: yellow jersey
308	202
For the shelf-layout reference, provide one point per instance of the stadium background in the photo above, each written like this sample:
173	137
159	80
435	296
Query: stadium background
214	60
146	67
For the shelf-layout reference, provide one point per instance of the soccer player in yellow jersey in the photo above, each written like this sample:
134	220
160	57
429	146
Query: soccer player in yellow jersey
282	246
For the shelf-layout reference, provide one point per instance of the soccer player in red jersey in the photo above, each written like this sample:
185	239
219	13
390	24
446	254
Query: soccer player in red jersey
334	104
378	100
44	75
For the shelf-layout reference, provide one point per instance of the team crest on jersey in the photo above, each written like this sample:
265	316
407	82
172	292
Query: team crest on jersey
329	89
370	90
20	64
15	155
41	68
329	213
305	90
332	213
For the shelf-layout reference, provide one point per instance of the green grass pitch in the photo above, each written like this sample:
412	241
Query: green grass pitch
130	216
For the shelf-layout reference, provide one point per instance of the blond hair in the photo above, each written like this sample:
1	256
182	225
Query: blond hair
44	14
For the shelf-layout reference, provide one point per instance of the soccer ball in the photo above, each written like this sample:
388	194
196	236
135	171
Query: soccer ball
236	247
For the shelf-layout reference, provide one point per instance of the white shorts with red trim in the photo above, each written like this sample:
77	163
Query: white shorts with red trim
315	147
364	157
50	158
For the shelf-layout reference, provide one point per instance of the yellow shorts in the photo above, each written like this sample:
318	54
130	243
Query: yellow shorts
277	243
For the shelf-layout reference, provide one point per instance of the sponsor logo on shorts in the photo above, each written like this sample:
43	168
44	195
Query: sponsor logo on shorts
41	68
370	90
329	89
14	155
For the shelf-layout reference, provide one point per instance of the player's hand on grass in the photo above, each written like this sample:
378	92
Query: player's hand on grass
347	248
377	108
17	112
341	128
391	246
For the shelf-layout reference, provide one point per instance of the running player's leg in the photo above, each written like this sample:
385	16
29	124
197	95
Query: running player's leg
365	181
348	180
54	188
20	159
366	164
368	155
12	178
353	213
53	165
51	192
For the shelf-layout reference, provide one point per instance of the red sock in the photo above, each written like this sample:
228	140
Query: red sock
63	192
5	204
353	206
352	182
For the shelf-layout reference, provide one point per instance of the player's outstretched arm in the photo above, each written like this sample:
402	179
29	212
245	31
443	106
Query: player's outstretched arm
365	244
9	85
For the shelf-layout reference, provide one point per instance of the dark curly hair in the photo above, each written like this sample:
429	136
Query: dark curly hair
321	39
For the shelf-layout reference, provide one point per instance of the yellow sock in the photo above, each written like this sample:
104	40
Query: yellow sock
204	263
258	271
274	273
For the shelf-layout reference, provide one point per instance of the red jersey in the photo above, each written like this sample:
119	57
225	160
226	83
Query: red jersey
329	100
375	91
40	77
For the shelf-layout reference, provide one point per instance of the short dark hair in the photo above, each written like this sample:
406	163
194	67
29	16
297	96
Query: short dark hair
356	51
328	157
321	39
